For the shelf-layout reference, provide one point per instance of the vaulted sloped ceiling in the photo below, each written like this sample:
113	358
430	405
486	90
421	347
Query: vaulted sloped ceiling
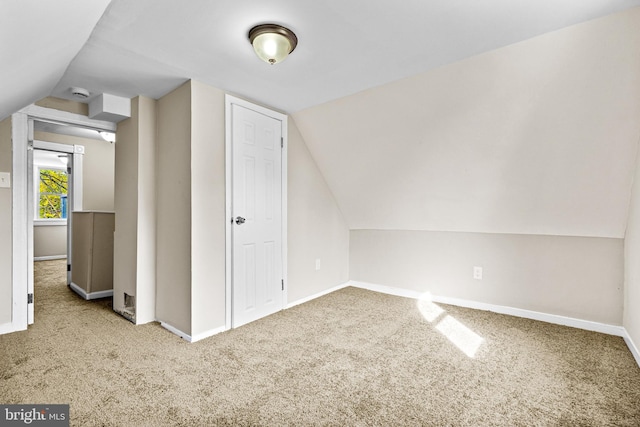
536	133
149	47
538	137
38	40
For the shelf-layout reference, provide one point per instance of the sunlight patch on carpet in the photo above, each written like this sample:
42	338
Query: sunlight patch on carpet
464	338
429	310
460	335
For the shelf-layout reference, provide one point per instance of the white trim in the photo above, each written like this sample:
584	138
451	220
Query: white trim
31	206
90	295
632	347
20	223
512	311
228	158
77	176
194	338
176	331
52	146
318	295
49	257
51	222
229	101
573	322
390	290
284	203
64	117
207	334
6	328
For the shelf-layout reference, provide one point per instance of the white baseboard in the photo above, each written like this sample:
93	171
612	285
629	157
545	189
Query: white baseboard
6	328
90	295
176	331
535	315
632	347
512	311
207	334
49	257
190	338
318	295
390	290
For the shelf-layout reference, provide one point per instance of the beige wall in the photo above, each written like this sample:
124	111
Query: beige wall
316	228
49	240
98	166
64	105
535	138
146	214
173	302
191	212
135	207
631	318
6	290
577	277
97	184
207	208
520	160
125	243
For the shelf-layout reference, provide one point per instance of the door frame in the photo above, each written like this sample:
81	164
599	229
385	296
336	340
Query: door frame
22	248
74	191
229	102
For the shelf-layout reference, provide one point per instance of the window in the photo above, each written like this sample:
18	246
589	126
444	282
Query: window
52	194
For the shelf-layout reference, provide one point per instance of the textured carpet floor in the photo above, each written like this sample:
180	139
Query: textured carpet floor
353	358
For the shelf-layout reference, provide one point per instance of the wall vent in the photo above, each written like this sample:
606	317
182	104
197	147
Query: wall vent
129	310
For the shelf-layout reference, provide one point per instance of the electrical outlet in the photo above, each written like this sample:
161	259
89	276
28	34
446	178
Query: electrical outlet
5	180
317	263
477	273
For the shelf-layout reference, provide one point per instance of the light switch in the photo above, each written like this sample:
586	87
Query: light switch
5	180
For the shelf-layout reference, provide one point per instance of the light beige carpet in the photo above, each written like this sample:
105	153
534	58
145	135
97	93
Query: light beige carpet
353	358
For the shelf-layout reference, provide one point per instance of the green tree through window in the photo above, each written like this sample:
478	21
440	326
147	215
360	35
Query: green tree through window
52	194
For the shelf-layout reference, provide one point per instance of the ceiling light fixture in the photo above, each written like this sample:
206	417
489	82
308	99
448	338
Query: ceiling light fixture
108	136
272	42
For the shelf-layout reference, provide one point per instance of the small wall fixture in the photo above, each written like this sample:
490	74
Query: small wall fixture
272	42
108	136
79	92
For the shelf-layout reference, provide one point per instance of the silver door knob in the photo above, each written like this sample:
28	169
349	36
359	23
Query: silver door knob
240	220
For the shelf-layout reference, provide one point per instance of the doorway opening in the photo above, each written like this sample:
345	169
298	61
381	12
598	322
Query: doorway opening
63	189
28	127
51	190
71	171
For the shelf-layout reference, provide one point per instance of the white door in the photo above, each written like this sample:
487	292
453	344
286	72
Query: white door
257	280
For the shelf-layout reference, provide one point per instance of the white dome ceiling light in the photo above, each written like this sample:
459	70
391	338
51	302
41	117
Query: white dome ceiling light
272	43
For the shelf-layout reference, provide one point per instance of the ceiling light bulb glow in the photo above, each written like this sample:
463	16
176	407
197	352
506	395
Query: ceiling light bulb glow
272	43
